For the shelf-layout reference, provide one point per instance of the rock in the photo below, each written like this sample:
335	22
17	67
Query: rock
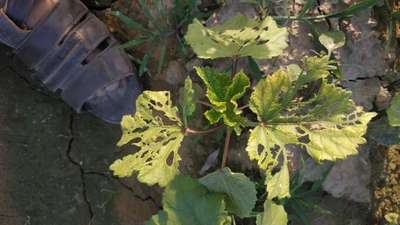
333	211
364	92
230	9
363	55
349	178
382	100
171	79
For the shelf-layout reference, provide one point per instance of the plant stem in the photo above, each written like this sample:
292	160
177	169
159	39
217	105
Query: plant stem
235	60
226	147
202	132
205	103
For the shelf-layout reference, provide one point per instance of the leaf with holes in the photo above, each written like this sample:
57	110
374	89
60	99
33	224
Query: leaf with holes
238	36
186	201
239	190
157	131
273	214
223	93
327	124
278	184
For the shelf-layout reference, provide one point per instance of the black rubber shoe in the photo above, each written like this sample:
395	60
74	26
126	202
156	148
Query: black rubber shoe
73	53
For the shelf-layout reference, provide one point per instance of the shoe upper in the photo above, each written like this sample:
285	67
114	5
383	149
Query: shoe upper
73	53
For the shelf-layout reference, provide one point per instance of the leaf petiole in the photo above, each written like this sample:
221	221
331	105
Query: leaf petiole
202	132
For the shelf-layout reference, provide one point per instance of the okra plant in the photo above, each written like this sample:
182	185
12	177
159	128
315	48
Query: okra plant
298	104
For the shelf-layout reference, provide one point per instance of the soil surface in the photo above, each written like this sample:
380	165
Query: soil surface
386	183
54	163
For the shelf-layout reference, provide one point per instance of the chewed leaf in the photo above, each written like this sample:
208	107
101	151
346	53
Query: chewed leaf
278	184
327	124
273	214
239	190
157	130
394	111
238	36
266	144
337	140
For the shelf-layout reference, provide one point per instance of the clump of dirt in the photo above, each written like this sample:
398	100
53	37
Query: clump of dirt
386	183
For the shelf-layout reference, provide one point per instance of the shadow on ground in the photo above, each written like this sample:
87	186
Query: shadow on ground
54	163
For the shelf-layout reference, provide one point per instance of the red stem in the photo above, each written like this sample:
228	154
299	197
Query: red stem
235	61
205	103
226	147
202	132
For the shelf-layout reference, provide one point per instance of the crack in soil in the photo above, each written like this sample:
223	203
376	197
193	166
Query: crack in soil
125	186
77	164
9	216
84	173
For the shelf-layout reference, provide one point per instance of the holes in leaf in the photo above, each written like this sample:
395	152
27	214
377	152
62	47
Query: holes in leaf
275	149
304	139
170	159
300	131
260	149
262	42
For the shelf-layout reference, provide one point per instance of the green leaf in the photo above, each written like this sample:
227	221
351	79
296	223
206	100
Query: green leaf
266	99
240	191
187	100
133	43
187	202
273	214
327	124
223	93
392	218
256	72
158	219
278	185
332	40
359	6
163	51
315	68
266	144
129	21
394	111
238	36
307	6
157	160
217	84
143	64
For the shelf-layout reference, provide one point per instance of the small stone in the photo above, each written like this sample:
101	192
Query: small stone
382	100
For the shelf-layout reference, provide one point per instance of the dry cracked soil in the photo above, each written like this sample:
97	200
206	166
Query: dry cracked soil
54	163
